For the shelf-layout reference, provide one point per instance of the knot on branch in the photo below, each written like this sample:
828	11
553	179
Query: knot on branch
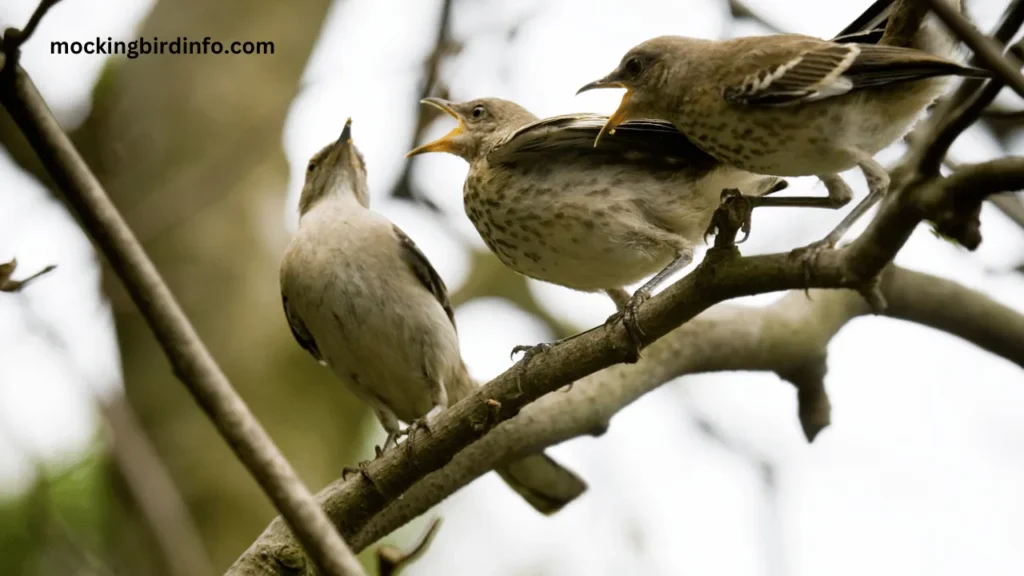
287	560
960	226
392	560
813	406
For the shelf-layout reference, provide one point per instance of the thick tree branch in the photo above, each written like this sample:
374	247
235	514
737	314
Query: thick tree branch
782	337
189	357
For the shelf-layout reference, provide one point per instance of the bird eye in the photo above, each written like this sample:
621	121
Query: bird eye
478	111
633	67
310	167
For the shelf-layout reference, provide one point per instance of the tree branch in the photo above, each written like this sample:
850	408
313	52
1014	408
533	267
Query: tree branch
988	51
793	332
189	357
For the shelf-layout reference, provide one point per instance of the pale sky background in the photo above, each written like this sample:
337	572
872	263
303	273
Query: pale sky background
921	471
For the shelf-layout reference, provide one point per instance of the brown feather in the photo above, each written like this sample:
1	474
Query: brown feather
424	271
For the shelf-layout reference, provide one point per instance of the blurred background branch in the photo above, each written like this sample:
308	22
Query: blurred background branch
8	284
191	361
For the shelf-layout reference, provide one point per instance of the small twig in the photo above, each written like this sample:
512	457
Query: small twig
813	406
392	560
740	10
1011	206
13	38
7	270
987	50
443	46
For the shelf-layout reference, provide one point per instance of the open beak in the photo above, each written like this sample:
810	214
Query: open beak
621	113
602	83
445	143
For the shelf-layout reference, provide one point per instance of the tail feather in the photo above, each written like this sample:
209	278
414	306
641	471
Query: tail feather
932	37
765	186
543	483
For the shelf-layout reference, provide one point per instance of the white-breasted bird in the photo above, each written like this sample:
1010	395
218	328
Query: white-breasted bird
365	302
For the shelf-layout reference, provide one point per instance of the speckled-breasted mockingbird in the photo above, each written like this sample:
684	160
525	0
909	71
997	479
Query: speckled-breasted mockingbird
787	105
554	208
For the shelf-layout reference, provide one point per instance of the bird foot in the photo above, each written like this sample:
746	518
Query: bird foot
528	353
423	423
628	317
733	214
808	256
362	469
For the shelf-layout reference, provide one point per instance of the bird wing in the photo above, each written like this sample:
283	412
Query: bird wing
299	330
637	141
830	70
423	270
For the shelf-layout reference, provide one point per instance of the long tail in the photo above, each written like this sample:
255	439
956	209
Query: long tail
869	27
539	479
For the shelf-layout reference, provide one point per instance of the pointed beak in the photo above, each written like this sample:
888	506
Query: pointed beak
445	143
602	83
345	139
346	133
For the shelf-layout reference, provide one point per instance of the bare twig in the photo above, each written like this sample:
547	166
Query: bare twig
443	46
7	270
391	561
739	9
14	38
153	491
1011	206
988	51
189	357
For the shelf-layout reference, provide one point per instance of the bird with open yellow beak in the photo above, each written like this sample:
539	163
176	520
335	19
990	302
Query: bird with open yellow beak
554	208
787	104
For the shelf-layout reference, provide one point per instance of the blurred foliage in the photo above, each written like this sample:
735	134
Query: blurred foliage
59	525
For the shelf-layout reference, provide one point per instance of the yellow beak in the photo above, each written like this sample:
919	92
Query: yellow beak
621	115
446	142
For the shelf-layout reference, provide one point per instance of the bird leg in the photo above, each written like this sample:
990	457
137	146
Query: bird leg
621	299
619	296
839	195
878	183
439	397
642	294
389	421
